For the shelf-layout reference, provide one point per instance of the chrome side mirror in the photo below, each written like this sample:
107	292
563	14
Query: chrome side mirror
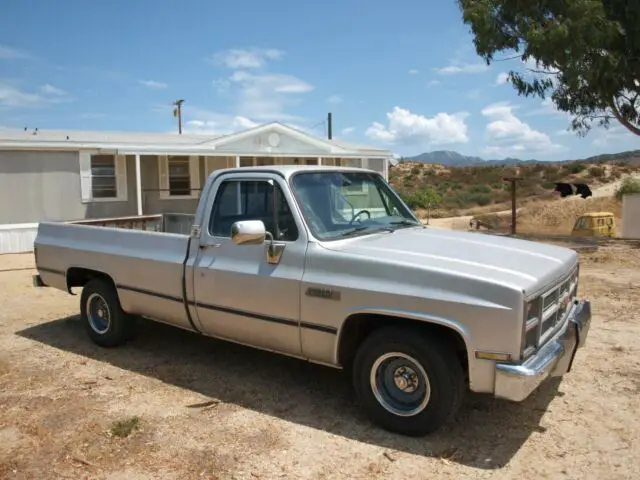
248	232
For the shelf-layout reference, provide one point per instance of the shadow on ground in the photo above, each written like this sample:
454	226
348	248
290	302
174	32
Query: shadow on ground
486	434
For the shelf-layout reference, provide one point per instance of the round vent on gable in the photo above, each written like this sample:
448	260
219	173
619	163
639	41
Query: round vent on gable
274	139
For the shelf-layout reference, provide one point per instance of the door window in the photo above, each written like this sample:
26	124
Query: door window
238	200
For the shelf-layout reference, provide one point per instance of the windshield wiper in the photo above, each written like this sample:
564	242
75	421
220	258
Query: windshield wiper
364	227
407	222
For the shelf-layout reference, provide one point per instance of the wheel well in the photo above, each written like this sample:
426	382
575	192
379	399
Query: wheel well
79	277
359	326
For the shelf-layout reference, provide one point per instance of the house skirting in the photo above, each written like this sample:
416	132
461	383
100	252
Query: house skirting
17	237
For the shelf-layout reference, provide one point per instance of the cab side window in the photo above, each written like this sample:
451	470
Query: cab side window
238	200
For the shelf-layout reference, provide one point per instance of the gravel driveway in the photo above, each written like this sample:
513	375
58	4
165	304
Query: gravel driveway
172	405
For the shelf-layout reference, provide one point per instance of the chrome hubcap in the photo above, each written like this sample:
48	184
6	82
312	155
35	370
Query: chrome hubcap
98	313
400	384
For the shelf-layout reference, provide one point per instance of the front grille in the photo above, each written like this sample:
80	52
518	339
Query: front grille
550	311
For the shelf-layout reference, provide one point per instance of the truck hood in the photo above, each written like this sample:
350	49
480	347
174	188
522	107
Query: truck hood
522	264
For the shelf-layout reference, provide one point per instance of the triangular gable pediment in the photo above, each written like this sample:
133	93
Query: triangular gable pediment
274	139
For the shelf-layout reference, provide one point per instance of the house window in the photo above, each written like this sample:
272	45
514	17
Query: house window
103	176
179	176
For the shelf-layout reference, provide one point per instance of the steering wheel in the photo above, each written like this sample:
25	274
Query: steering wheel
358	214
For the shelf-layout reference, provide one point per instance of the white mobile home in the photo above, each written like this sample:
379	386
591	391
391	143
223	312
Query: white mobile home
75	175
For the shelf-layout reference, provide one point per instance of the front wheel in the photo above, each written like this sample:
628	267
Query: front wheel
407	382
105	321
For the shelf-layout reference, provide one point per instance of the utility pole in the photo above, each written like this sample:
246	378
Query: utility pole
513	181
177	112
330	126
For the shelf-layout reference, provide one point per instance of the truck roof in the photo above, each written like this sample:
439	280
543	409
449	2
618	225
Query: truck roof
288	170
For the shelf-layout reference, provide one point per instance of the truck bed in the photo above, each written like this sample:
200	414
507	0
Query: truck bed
161	222
141	255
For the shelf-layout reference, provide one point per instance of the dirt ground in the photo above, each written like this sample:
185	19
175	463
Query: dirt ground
196	408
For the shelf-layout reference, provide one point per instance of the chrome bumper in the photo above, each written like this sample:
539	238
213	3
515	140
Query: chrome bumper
516	382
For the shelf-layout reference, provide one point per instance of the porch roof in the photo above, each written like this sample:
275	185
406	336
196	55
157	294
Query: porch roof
173	143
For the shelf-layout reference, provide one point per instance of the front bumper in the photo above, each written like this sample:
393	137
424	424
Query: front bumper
516	382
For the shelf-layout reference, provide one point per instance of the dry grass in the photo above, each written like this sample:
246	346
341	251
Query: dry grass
560	216
208	409
556	217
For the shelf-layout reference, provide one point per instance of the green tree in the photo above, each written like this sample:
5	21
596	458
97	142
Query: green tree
430	199
586	53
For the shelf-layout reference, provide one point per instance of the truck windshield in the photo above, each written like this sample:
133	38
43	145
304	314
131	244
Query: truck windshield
343	204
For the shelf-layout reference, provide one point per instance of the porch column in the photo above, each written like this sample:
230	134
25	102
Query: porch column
138	184
238	192
319	160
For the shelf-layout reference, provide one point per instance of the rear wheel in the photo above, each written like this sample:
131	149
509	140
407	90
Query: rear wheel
407	382
105	321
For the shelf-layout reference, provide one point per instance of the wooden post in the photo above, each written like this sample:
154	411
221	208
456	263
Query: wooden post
513	181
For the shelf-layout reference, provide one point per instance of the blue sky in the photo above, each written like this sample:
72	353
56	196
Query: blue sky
399	75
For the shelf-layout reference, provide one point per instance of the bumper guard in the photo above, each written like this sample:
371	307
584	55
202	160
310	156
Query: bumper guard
517	382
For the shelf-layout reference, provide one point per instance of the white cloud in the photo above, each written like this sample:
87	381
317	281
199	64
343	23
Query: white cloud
410	128
456	68
507	135
614	134
413	71
11	53
153	84
548	107
257	95
215	124
246	57
13	97
502	78
433	83
264	97
334	99
51	90
347	131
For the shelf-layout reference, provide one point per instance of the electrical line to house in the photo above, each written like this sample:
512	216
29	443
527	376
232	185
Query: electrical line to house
324	125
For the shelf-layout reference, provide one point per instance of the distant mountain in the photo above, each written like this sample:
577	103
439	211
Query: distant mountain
454	159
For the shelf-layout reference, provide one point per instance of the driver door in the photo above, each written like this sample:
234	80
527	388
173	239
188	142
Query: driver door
239	295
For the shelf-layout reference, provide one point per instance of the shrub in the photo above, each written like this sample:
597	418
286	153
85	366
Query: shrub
629	186
596	172
416	170
576	167
479	188
481	199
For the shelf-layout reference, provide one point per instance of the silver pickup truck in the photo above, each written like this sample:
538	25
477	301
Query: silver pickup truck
327	264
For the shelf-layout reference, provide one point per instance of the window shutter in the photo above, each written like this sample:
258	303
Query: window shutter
121	177
194	172
85	177
163	175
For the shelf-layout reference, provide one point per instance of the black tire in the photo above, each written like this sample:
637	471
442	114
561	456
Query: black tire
439	362
117	328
